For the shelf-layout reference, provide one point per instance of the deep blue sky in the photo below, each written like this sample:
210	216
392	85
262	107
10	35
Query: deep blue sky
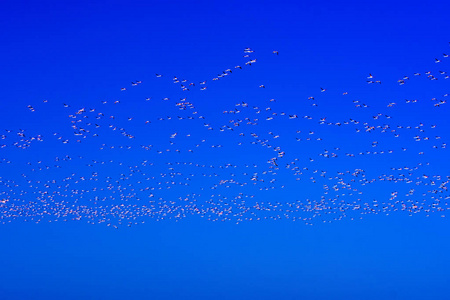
83	52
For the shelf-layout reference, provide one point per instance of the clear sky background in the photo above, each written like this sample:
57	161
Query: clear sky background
81	53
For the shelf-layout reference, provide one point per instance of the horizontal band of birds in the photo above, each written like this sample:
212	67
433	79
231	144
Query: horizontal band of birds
152	153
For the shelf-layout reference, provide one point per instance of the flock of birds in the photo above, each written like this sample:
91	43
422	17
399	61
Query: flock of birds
248	162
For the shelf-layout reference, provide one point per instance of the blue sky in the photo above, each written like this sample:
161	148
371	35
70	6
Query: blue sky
68	61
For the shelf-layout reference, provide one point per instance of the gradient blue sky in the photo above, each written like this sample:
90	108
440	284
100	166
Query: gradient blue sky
83	52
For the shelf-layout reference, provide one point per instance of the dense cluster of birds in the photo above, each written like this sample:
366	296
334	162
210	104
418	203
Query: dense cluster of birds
250	161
